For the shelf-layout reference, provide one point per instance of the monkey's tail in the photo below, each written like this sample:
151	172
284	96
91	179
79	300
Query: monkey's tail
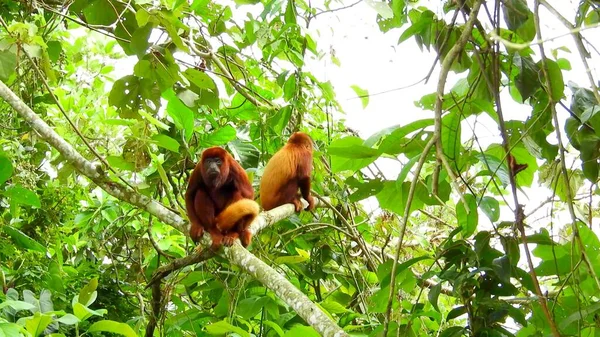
230	216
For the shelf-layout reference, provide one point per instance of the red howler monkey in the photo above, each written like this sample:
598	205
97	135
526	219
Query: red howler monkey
289	169
219	199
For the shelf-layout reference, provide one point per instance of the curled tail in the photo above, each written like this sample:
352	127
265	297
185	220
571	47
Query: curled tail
243	209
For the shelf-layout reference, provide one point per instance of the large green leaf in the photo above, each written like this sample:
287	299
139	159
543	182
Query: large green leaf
223	327
467	217
19	195
22	240
112	327
37	323
200	79
349	153
101	12
8	63
451	133
6	169
181	114
556	80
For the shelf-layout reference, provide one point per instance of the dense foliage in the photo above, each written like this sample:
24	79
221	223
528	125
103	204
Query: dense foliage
457	248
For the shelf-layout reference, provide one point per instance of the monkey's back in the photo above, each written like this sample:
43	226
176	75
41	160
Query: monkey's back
279	183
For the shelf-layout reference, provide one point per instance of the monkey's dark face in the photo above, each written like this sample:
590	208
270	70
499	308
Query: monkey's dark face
215	171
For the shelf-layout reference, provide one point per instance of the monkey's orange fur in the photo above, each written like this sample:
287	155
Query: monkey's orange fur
219	199
289	169
241	212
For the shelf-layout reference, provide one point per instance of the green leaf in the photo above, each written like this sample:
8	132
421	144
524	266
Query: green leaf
556	80
363	94
301	331
394	197
275	327
200	79
453	331
451	135
564	64
365	190
101	12
333	307
37	323
83	313
382	8
293	259
247	2
209	98
69	319
87	294
166	142
579	315
434	294
515	12
519	19
139	39
527	81
223	328
113	327
384	270
182	116
395	133
120	163
250	307
491	208
153	120
495	167
423	23
6	168
220	136
349	153
456	312
379	299
406	170
351	147
22	240
10	329
522	156
467	217
501	266
290	13
289	88
131	93
22	196
399	16
8	63
17	305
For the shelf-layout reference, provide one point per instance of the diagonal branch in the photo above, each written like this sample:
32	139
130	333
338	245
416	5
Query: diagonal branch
308	310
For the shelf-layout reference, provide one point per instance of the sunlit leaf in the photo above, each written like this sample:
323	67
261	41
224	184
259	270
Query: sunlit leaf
6	169
22	240
363	94
468	218
112	327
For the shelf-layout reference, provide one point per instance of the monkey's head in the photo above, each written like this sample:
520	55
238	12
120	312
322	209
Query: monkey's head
301	139
215	166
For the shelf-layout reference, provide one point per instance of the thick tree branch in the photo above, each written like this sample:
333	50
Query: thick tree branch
301	304
202	253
